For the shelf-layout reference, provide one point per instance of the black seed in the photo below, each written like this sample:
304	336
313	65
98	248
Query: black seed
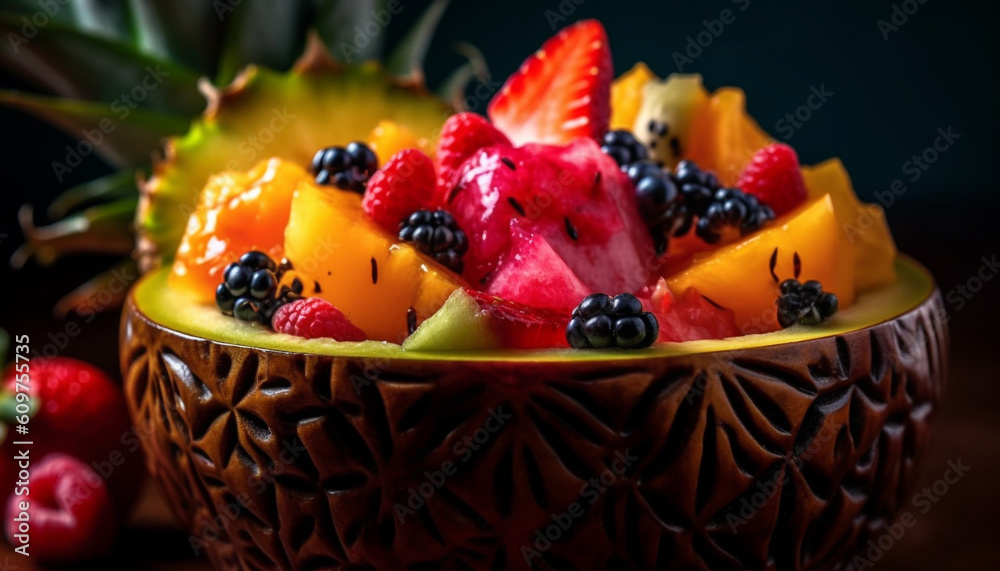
675	146
453	193
773	264
297	286
411	320
329	273
508	163
712	302
316	288
516	205
374	271
570	229
652	143
797	264
629	332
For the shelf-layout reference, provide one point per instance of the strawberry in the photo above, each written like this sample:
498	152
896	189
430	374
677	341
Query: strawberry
520	326
402	186
462	135
773	176
314	317
561	92
80	412
70	515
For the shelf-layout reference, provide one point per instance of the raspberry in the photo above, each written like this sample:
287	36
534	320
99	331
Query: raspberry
71	513
462	135
315	317
404	185
773	176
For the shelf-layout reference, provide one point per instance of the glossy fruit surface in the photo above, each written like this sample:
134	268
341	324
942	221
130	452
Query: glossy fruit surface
741	276
363	270
847	403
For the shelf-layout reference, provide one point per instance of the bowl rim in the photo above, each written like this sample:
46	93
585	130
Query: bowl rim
912	278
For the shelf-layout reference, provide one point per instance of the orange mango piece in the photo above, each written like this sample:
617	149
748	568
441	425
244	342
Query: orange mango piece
724	137
738	276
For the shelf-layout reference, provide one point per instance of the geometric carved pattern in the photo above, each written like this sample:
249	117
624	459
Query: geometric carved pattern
787	457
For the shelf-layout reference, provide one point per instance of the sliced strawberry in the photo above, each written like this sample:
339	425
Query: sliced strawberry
773	176
462	135
561	92
523	327
402	186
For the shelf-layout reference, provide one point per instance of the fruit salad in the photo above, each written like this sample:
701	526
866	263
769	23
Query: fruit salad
582	212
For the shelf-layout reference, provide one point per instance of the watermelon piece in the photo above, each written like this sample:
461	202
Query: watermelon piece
521	327
533	274
689	317
573	195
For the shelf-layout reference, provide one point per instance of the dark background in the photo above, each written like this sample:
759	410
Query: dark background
890	97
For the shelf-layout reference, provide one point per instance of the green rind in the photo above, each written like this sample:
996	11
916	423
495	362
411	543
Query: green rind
270	114
173	311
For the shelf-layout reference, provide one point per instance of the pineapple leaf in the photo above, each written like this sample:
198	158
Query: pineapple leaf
85	297
407	58
454	86
121	184
268	34
83	66
185	31
104	228
101	18
338	22
125	137
34	14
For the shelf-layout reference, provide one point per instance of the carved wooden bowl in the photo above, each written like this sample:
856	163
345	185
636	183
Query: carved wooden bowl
785	456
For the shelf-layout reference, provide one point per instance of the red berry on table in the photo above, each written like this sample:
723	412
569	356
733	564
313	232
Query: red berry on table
81	412
561	92
70	514
773	176
314	317
402	186
461	136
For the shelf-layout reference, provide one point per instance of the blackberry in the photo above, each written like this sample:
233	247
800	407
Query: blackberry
623	147
604	321
347	168
658	199
734	208
249	288
804	303
436	234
